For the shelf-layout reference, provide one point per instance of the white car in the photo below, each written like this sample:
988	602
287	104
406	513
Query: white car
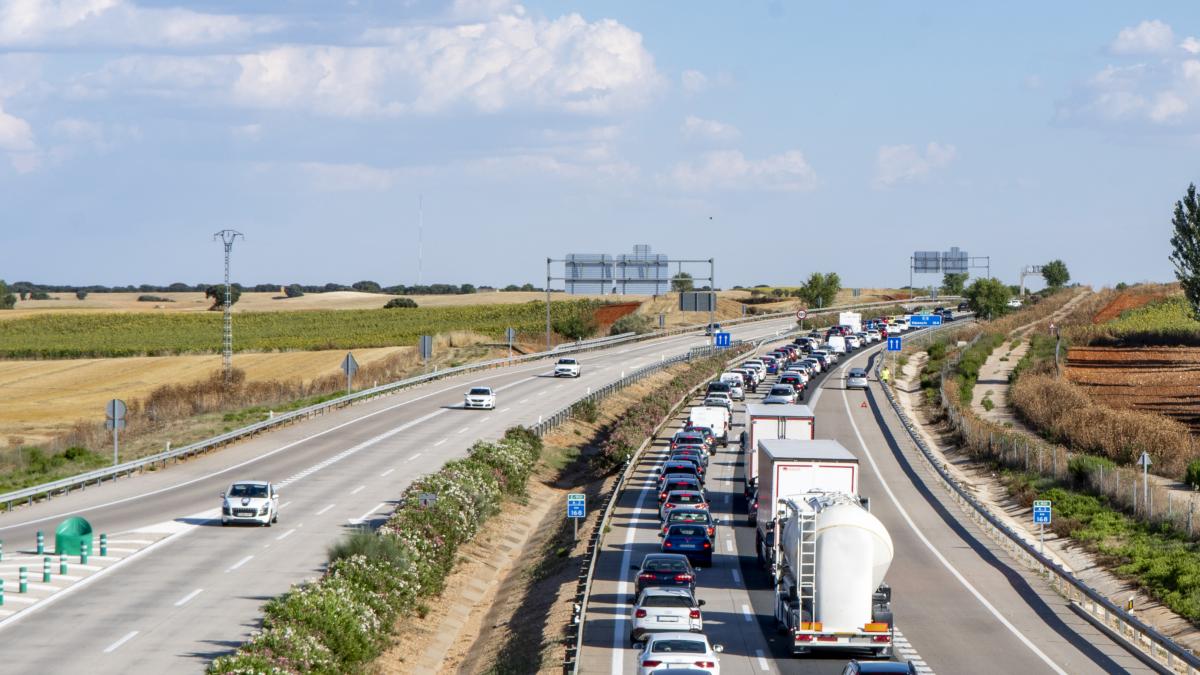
664	609
854	342
856	378
874	335
566	368
679	650
1014	303
737	385
250	501
480	397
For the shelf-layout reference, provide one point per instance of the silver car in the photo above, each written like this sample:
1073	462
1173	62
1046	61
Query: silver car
661	609
250	501
781	394
856	378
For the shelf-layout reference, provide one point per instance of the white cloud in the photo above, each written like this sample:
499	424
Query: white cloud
1148	37
697	128
896	164
16	140
1157	95
509	61
44	23
1190	45
731	170
333	177
693	81
97	136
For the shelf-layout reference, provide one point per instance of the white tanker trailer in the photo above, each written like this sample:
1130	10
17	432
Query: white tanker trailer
831	556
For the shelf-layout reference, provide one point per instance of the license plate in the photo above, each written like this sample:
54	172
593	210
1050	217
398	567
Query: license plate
668	619
244	513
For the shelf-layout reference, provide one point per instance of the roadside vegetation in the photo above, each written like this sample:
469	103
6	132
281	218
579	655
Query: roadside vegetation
1164	323
58	336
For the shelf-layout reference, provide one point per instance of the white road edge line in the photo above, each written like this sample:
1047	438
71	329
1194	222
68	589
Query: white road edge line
618	641
762	660
113	647
938	554
746	613
363	517
184	600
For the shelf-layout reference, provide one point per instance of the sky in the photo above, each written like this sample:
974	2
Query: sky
780	138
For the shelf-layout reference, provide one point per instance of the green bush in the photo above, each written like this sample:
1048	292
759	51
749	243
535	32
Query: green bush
153	298
631	323
401	303
575	327
1081	467
39	295
587	411
987	404
1192	477
80	295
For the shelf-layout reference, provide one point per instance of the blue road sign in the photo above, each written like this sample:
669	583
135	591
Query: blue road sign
1041	512
895	344
925	320
721	339
576	505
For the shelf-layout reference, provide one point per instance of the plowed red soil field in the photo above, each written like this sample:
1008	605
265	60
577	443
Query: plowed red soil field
607	315
1126	301
1164	380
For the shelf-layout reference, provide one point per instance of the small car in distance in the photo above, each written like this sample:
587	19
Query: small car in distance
665	609
480	397
856	378
250	501
691	499
712	329
865	667
665	569
567	368
664	651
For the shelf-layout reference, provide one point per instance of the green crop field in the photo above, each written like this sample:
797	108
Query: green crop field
1167	322
137	334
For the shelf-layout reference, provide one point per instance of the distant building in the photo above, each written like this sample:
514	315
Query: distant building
639	273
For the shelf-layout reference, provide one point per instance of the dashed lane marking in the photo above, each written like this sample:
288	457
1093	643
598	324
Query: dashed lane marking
385	473
358	489
239	563
746	613
114	646
285	535
322	511
185	599
762	660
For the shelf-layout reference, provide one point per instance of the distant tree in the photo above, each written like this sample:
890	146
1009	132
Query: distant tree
682	282
510	288
778	292
400	303
575	327
7	300
80	295
988	298
24	295
821	289
529	287
953	283
1014	290
217	293
1121	286
293	291
366	287
1055	273
179	287
1185	247
467	289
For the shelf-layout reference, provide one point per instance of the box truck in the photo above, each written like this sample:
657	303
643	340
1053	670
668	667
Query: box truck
770	422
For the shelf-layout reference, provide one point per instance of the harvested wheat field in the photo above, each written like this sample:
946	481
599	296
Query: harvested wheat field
44	397
1164	380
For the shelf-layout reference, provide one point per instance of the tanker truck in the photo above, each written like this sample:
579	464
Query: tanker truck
830	555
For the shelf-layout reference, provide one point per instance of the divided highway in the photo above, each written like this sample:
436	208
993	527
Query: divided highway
961	604
193	590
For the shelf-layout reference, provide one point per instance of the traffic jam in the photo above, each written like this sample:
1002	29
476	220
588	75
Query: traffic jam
666	621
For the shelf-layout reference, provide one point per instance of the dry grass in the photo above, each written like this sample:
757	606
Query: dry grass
1162	380
1065	412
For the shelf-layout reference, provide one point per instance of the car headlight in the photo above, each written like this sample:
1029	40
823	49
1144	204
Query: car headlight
264	509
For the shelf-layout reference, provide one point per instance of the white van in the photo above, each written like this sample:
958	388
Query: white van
837	344
713	417
737	385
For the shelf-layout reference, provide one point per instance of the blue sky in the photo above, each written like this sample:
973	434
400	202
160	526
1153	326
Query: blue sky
780	138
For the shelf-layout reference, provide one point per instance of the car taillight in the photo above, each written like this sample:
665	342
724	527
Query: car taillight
881	638
646	576
706	664
649	663
701	506
664	496
711	530
707	545
666	544
695	614
641	614
683	577
804	638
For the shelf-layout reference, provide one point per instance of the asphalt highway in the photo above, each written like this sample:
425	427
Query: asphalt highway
961	604
198	592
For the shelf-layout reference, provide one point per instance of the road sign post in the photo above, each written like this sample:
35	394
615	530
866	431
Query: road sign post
1042	509
801	315
1144	462
427	499
511	335
349	367
722	340
576	509
114	418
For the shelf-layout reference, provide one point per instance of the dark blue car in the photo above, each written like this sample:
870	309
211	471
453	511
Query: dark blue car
664	569
691	540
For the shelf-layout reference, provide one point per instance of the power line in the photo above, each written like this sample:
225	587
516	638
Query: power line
227	238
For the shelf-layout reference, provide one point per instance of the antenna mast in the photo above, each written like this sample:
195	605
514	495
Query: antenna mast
227	238
420	235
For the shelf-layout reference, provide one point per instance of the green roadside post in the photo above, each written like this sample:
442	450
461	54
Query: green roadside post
1	592
41	543
1	549
84	553
46	570
103	545
23	580
62	565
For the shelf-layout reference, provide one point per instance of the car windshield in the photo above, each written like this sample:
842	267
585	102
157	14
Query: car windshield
566	362
671	600
858	372
247	490
660	565
686	498
687	531
688	516
480	391
679	646
781	391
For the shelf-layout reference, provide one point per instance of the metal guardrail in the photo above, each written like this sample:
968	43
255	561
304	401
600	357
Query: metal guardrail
81	481
1138	635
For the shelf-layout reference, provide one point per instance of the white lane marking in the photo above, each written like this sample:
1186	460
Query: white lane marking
414	456
762	660
363	518
239	563
485	419
358	489
138	542
504	410
440	442
322	511
284	505
114	646
746	613
385	473
522	401
618	640
737	576
463	429
285	535
184	600
729	545
936	553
